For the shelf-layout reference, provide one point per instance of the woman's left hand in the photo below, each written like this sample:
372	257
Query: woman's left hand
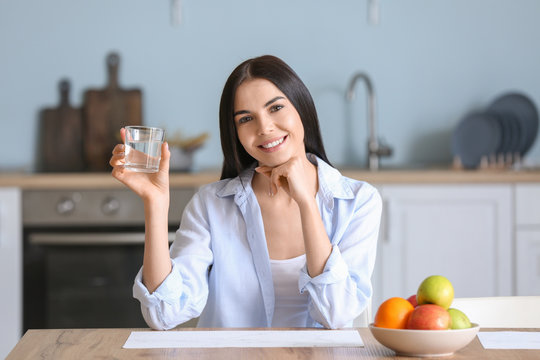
294	177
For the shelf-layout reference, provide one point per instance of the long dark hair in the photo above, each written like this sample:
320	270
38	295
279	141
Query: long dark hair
275	70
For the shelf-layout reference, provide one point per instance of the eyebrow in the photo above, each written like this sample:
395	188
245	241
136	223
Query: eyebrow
240	112
273	100
265	105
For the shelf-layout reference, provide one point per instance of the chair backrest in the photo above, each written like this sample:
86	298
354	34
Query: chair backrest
365	318
501	311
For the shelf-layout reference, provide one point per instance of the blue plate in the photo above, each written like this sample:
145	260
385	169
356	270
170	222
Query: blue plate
518	108
477	135
511	134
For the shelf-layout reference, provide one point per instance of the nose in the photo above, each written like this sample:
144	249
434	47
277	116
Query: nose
265	124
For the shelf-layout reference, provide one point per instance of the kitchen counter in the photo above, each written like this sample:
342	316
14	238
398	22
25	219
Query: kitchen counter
107	344
95	180
405	176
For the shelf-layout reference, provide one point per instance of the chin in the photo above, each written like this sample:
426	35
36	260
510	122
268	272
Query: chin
273	159
273	162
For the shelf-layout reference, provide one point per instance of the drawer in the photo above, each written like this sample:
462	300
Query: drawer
528	204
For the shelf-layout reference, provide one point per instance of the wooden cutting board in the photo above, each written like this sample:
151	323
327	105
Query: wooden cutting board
61	146
105	111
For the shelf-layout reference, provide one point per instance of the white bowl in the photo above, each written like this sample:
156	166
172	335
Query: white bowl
424	342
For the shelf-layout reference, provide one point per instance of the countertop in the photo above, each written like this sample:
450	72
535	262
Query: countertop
385	176
61	344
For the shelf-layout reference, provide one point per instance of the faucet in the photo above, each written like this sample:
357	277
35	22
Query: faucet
375	149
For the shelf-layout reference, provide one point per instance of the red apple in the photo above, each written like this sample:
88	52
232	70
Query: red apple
412	300
429	317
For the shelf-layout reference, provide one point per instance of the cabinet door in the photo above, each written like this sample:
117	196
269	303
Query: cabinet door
463	232
528	205
528	262
10	269
528	239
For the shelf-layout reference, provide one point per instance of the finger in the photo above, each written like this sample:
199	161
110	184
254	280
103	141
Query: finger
165	157
117	160
264	170
267	171
123	134
119	149
118	173
275	183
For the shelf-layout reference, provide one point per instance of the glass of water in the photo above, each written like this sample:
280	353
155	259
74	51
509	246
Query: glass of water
143	148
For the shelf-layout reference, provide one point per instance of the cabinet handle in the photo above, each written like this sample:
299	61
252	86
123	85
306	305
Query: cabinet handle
1	224
89	238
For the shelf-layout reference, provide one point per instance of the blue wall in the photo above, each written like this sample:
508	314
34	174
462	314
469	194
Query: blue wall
431	62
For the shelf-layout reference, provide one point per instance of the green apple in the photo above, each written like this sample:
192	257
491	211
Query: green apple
459	319
435	289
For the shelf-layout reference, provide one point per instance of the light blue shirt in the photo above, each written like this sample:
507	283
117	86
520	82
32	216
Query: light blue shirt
221	267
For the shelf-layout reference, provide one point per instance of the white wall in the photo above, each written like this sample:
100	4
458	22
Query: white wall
431	62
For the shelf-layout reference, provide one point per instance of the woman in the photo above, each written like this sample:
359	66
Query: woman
282	240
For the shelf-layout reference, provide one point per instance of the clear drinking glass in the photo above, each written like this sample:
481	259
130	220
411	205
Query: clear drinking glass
143	148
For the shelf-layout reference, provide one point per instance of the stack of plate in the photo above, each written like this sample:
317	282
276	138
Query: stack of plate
508	127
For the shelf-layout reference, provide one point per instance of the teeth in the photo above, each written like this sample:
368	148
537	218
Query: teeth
272	144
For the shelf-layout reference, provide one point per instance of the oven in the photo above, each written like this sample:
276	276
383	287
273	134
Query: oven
81	252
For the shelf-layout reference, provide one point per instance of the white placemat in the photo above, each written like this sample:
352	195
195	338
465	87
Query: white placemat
510	339
243	338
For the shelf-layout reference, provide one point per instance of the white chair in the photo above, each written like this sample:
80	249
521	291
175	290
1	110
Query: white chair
501	311
365	318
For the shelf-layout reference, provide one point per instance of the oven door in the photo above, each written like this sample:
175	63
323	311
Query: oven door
82	279
82	251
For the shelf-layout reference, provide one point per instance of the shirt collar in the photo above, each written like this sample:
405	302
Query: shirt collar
331	183
239	186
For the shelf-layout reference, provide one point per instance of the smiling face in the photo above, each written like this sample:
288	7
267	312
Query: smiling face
268	125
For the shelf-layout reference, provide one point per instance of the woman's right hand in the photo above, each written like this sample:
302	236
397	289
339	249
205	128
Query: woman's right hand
149	186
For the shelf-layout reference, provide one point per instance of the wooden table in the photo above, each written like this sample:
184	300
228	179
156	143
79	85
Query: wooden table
107	344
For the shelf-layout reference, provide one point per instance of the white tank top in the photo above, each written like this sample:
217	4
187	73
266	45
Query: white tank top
291	307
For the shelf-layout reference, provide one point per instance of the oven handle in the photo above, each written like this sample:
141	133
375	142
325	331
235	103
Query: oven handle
122	238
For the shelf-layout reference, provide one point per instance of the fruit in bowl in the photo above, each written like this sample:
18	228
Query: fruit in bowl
428	309
458	319
435	289
393	313
412	300
424	324
429	317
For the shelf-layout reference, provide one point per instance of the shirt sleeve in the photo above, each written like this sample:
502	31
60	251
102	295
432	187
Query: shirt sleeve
183	294
342	291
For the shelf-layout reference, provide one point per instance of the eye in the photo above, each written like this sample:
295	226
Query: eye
244	119
276	107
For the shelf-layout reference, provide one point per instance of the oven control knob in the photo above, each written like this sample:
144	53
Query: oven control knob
65	206
110	206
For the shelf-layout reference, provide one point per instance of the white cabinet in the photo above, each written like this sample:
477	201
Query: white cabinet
527	259
464	232
528	262
10	269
